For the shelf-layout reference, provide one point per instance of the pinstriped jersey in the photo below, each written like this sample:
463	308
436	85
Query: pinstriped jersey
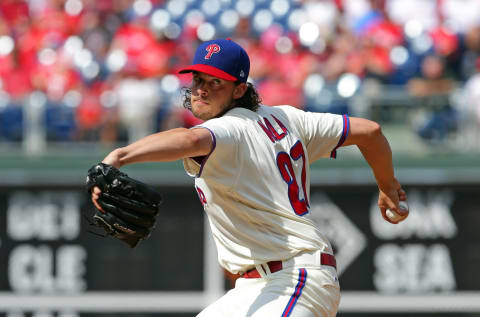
255	183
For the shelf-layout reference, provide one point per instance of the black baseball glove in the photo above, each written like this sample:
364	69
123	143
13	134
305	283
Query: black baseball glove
130	207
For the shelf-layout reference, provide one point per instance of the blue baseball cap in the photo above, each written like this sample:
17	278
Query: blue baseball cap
222	58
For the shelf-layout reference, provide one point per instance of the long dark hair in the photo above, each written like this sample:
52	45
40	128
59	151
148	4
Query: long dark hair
250	99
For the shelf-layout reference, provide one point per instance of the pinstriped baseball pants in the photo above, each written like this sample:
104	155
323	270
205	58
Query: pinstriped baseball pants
291	292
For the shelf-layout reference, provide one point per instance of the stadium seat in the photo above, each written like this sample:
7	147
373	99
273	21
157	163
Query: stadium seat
11	122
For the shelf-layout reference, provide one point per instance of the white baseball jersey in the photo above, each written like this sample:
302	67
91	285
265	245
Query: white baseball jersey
255	183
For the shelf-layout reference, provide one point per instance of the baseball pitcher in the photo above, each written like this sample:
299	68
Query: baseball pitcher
251	165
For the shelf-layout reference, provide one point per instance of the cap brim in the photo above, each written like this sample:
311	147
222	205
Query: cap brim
207	69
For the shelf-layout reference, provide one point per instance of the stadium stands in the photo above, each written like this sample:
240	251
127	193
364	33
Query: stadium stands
344	56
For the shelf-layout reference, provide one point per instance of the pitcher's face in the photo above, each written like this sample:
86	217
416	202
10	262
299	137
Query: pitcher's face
212	97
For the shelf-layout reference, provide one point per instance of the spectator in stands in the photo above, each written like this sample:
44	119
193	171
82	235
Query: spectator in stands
433	80
138	99
432	92
343	53
377	34
470	57
469	109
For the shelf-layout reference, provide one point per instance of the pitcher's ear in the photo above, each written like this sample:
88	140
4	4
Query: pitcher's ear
239	90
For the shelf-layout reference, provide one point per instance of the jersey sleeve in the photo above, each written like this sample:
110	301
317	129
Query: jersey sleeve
224	143
324	133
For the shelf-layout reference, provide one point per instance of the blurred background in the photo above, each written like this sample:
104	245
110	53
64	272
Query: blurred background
79	78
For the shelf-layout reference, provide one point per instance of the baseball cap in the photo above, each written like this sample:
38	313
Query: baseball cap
222	58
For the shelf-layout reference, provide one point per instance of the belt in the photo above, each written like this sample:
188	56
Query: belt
275	266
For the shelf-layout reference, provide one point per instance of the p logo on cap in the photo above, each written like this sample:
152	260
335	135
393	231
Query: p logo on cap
212	49
222	58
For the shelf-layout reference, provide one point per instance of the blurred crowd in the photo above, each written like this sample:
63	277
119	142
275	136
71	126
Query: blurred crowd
105	70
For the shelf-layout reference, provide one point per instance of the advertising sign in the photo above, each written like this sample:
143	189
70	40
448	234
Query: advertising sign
51	265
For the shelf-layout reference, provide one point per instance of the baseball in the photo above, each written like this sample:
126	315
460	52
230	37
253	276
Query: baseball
392	215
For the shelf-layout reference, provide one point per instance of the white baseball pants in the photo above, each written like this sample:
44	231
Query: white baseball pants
308	291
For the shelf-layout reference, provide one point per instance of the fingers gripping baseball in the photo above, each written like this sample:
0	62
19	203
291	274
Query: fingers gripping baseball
392	202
